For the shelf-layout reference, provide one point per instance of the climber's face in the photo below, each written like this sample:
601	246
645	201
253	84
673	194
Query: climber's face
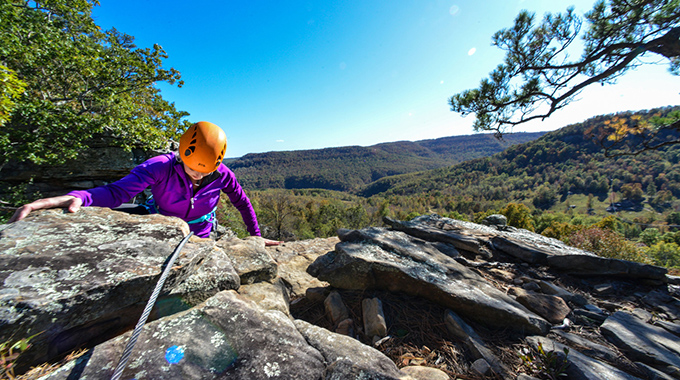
196	176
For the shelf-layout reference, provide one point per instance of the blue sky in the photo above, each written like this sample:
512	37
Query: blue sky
296	75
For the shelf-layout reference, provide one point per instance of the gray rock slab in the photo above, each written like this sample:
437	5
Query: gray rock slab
663	302
294	257
268	295
552	308
584	265
641	341
525	245
214	274
653	373
346	357
528	246
669	326
401	243
581	366
227	337
552	289
425	373
250	259
588	347
432	229
462	331
73	276
436	277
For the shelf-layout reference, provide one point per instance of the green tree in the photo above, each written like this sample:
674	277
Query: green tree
650	236
673	218
11	89
545	197
632	192
665	254
356	217
651	189
276	210
328	220
79	81
539	74
519	215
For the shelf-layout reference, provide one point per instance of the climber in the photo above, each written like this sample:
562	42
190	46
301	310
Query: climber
185	184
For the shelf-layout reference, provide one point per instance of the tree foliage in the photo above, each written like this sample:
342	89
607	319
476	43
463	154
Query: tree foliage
632	136
539	75
11	89
79	81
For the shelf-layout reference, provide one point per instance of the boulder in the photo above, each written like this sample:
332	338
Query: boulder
551	308
374	318
496	220
78	278
347	358
214	274
250	259
335	308
225	337
293	258
394	266
425	373
268	295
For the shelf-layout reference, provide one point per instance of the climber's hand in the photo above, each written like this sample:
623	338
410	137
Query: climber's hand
65	201
269	242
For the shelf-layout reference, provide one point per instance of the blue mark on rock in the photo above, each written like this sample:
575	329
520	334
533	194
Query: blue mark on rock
174	354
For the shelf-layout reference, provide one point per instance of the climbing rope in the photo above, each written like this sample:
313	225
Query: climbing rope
149	305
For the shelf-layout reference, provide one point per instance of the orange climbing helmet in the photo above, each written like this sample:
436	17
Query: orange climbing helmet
202	147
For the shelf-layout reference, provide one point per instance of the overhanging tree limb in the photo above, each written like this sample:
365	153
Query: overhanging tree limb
538	77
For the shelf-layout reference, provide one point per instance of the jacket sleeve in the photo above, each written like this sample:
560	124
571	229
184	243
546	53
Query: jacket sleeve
240	200
123	190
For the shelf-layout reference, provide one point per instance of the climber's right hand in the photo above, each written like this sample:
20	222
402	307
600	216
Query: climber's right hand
65	201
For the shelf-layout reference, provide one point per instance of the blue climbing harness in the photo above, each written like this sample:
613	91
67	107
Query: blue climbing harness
150	205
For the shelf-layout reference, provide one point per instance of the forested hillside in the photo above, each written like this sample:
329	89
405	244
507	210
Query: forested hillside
562	185
350	168
563	162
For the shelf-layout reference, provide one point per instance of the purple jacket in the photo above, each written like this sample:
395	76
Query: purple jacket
171	189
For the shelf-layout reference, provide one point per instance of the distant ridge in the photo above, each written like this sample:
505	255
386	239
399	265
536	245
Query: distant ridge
562	162
350	168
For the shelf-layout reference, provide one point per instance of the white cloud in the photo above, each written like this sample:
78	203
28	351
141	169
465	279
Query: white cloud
279	141
472	51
